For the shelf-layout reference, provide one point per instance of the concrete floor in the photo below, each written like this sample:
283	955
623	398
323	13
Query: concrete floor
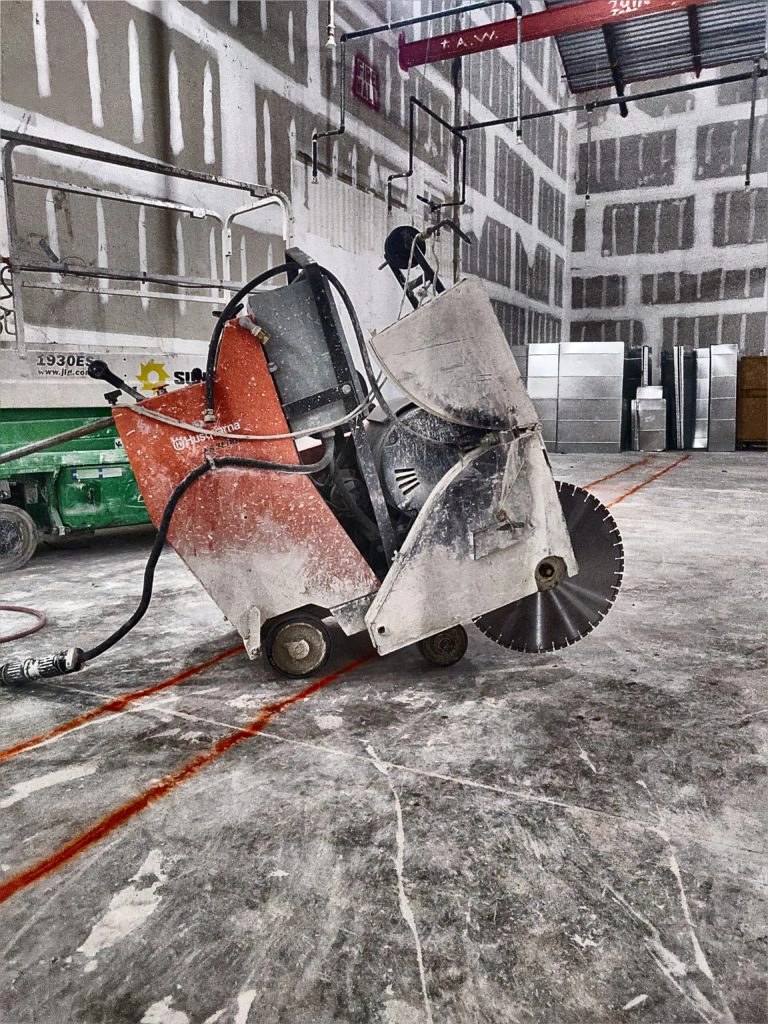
575	837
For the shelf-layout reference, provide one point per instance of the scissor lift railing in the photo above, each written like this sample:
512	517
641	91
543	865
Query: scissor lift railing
61	275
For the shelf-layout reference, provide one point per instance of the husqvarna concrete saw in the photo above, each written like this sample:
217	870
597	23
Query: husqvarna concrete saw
295	491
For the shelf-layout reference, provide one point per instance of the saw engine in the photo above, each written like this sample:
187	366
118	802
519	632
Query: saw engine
296	491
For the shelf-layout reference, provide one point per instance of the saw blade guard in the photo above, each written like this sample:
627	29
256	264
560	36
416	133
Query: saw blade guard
477	543
452	359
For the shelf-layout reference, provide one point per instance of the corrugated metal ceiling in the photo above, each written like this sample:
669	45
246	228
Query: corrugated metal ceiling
705	36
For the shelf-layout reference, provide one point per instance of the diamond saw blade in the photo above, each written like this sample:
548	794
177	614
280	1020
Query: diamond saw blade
551	619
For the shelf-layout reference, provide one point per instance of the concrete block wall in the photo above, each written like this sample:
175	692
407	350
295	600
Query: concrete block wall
518	216
236	87
672	248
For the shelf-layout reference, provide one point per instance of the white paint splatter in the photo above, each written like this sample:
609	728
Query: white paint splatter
244	702
209	147
263	12
181	260
583	756
278	873
102	258
405	906
214	260
671	966
215	1017
637	1001
143	286
194	736
233	12
400	1012
134	83
162	1013
92	61
128	910
29	786
353	166
698	952
291	51
267	136
177	133
40	36
53	231
244	1004
328	722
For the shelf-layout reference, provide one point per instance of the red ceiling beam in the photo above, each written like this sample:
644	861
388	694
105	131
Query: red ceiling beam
557	21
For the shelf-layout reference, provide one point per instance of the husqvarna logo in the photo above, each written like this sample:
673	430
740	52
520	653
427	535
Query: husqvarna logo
183	441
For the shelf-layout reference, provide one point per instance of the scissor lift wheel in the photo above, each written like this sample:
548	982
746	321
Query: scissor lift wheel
444	648
298	645
18	537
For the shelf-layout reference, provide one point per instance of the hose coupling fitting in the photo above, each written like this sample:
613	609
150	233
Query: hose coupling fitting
61	664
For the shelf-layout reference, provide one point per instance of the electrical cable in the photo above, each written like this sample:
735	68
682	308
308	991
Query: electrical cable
226	435
229	311
176	495
407	275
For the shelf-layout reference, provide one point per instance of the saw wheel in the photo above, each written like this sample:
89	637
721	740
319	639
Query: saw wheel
560	615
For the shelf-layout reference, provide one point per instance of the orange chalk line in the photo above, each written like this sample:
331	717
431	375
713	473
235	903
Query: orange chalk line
645	483
117	705
626	469
167	785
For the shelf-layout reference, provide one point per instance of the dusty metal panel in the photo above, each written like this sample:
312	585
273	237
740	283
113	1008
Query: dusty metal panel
460	558
649	421
722	398
589	405
701	415
451	357
543	385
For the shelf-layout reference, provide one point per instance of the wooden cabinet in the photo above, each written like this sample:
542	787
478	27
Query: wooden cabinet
752	400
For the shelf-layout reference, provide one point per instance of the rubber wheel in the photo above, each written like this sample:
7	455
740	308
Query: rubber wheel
298	645
444	648
18	537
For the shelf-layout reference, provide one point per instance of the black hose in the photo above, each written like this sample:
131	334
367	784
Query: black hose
178	492
226	314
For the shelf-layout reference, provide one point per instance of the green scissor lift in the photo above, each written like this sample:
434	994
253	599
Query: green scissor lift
83	484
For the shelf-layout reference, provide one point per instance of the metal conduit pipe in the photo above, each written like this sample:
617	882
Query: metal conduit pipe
386	27
50	442
751	138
